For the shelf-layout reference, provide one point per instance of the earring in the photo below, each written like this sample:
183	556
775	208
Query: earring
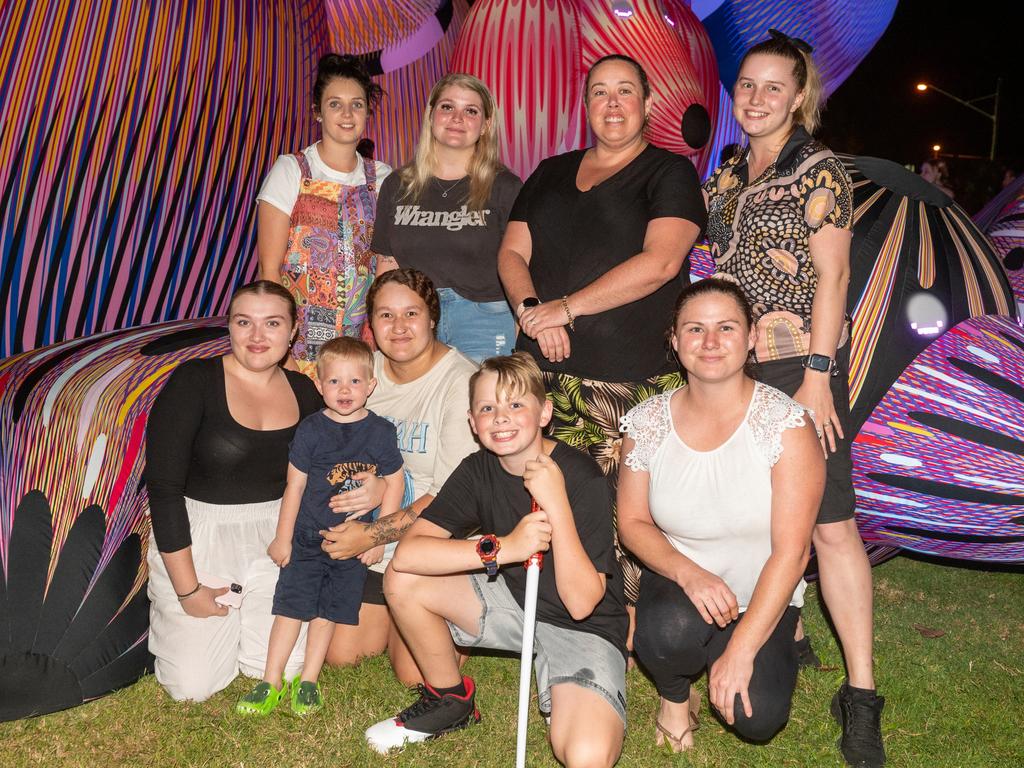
319	119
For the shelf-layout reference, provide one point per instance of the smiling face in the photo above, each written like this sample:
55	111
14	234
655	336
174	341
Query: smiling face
260	328
766	96
507	424
616	108
615	105
343	110
345	383
401	323
458	118
711	337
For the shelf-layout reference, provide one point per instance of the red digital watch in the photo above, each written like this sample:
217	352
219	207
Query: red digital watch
487	548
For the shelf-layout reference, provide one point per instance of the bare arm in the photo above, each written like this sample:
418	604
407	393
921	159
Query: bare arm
666	243
428	549
182	571
830	255
384	264
514	271
798	479
579	584
352	538
273	226
514	262
394	488
280	549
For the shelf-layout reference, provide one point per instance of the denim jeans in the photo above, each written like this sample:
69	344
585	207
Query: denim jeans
477	329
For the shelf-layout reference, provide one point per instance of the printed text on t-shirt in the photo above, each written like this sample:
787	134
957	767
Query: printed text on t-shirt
412	435
453	221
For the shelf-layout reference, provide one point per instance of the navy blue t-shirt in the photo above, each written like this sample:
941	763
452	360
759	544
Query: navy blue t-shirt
331	453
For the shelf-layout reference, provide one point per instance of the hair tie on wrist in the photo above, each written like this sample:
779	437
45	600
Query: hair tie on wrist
796	42
187	595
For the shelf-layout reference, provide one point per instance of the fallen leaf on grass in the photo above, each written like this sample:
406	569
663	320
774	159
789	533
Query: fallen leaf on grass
929	632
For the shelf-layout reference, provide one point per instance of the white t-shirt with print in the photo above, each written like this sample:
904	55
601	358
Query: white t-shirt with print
281	186
431	417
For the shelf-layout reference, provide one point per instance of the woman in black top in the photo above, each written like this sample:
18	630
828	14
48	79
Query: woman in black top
216	461
592	261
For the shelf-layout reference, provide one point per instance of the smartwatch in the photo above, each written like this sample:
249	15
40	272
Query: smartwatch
529	301
820	363
487	548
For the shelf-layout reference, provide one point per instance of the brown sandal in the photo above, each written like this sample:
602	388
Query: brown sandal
675	741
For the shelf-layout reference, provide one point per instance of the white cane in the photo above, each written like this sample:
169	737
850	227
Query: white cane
533	566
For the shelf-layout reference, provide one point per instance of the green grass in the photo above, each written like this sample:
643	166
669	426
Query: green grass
953	700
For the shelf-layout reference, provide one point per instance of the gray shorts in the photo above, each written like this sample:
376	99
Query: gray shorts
561	655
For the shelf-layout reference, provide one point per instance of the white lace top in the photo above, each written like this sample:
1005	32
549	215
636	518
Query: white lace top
715	506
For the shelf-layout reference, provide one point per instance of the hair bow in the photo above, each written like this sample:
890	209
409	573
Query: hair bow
796	42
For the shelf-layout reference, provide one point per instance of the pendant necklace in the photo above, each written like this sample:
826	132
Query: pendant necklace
444	190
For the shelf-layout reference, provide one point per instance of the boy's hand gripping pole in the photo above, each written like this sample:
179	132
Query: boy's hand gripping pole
533	566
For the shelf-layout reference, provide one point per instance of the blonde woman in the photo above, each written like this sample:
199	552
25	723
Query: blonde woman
445	212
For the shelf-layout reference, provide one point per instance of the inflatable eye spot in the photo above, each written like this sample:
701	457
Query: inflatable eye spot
1014	259
696	126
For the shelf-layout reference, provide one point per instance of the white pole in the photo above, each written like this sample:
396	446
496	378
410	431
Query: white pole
533	566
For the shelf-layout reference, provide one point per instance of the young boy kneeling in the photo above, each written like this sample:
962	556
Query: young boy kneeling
442	587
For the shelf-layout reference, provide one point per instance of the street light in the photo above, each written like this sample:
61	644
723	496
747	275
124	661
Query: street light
993	116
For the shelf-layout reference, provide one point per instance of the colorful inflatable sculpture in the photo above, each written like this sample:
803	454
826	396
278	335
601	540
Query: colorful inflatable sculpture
128	172
74	615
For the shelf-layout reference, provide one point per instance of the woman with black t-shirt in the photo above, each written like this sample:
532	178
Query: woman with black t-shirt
216	461
444	214
592	261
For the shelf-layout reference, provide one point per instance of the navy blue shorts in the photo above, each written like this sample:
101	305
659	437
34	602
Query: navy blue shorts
313	586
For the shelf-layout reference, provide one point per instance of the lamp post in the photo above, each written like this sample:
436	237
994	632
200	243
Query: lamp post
993	115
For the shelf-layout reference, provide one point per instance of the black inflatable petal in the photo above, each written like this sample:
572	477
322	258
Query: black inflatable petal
123	632
125	667
78	643
78	559
29	560
33	684
103	600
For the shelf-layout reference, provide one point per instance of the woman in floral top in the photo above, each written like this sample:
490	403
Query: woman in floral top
779	220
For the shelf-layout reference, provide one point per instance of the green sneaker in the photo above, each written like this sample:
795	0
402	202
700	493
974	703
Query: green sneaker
261	700
306	698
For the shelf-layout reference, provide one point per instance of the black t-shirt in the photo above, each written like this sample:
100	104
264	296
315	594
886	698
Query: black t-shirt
579	236
480	496
194	448
455	247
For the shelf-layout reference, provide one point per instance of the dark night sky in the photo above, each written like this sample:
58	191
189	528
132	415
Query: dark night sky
961	47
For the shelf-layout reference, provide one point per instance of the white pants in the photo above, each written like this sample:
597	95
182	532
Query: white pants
195	658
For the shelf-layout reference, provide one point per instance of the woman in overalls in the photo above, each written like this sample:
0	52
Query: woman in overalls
316	214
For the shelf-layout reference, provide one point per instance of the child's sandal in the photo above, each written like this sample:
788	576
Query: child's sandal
261	700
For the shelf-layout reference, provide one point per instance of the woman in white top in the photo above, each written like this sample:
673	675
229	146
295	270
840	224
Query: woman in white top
717	499
317	210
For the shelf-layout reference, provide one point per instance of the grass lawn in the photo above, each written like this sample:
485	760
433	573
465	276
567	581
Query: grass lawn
952	700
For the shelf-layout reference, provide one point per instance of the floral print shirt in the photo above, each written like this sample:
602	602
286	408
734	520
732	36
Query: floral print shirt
760	233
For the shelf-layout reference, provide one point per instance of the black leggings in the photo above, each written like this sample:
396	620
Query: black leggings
675	644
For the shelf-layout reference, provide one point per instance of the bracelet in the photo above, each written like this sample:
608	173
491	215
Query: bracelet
572	320
187	595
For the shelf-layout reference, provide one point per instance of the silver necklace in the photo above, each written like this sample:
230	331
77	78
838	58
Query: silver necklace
446	190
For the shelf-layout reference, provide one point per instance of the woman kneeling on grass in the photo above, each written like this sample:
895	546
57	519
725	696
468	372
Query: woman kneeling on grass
717	498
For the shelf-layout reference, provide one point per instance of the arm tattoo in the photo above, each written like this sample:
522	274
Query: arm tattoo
390	528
